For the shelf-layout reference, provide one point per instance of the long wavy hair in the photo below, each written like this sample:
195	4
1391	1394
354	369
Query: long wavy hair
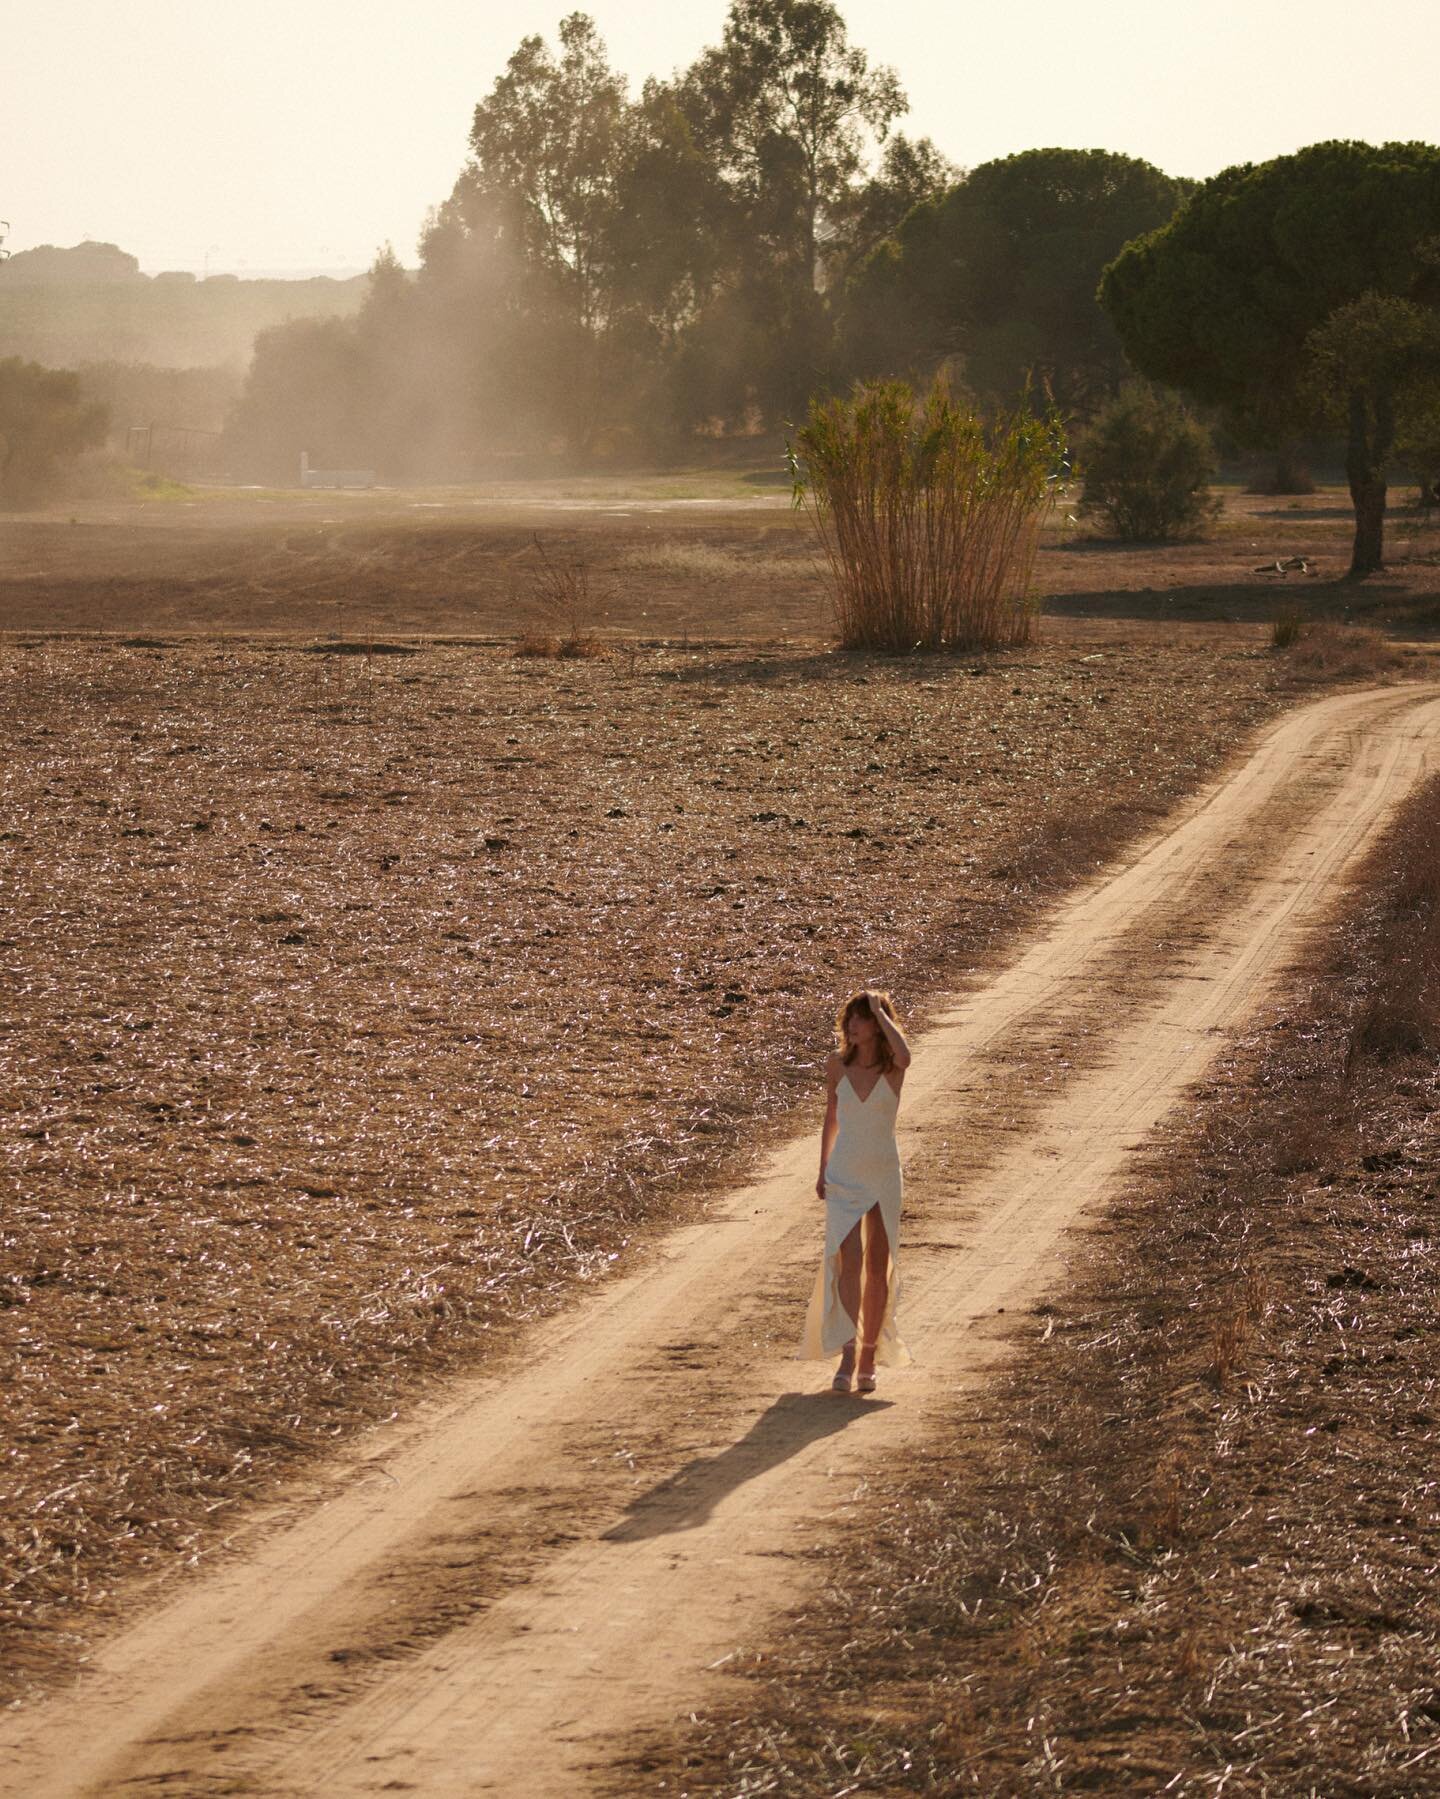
857	1002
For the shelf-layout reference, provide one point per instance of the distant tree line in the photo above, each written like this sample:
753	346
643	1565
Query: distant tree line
624	276
89	303
618	275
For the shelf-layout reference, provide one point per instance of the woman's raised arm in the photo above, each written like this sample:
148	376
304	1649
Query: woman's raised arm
899	1048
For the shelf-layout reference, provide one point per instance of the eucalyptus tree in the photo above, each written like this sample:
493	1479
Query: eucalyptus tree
787	106
787	109
911	173
547	146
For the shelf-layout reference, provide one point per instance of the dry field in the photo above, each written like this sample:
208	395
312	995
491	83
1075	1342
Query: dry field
1188	1543
356	1005
664	559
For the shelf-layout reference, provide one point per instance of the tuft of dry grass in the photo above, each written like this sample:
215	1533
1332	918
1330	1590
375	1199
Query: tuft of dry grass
1340	652
560	593
559	649
691	561
1184	1544
1237	1317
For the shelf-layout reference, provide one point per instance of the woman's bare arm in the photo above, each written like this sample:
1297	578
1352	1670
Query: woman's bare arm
899	1048
832	1120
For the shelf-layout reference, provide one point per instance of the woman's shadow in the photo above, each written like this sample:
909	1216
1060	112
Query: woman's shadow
687	1498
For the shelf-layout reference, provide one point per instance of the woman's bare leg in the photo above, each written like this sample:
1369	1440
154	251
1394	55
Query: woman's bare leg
849	1284
876	1289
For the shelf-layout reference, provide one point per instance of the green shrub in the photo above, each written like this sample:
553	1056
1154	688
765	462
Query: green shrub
1147	465
929	517
45	424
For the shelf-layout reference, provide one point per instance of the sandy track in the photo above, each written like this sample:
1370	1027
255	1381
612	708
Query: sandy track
489	1595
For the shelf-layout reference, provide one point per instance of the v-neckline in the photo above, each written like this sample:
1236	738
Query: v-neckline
867	1097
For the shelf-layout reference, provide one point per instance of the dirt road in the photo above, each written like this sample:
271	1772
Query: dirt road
488	1597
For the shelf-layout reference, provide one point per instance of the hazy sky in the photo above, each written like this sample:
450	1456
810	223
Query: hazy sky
254	135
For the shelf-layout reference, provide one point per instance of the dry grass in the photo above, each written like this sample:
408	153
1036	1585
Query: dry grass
561	597
1188	1544
355	1006
561	649
1330	650
690	561
929	516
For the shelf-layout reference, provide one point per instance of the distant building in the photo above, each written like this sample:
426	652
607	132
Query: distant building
333	477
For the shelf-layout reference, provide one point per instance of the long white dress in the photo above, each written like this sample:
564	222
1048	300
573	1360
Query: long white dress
863	1170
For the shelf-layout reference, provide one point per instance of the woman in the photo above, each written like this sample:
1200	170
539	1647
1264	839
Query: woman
860	1183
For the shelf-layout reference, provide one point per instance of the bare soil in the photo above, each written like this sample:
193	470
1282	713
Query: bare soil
353	1008
664	559
485	1595
356	1006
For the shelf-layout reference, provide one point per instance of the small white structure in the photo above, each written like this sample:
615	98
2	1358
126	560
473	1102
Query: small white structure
333	477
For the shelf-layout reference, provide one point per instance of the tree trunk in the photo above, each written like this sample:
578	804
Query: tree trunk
1372	434
1368	553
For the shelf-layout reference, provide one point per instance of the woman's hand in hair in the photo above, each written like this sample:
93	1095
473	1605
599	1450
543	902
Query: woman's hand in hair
899	1048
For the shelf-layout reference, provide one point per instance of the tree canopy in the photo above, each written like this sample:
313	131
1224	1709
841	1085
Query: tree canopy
610	267
615	272
784	105
1001	270
1224	301
45	422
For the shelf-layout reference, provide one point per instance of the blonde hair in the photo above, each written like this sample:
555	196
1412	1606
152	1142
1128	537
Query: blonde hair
857	1002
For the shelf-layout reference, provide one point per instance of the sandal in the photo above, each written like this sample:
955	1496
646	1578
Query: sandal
865	1383
842	1382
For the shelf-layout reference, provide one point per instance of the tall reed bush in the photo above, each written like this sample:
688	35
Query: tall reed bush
929	517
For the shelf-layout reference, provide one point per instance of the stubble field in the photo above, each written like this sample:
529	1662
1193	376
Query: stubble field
709	559
358	1003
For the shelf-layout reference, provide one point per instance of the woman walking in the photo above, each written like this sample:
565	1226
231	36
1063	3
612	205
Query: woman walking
860	1182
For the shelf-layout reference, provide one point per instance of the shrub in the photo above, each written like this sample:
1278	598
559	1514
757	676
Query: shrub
929	518
45	423
560	595
1147	467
